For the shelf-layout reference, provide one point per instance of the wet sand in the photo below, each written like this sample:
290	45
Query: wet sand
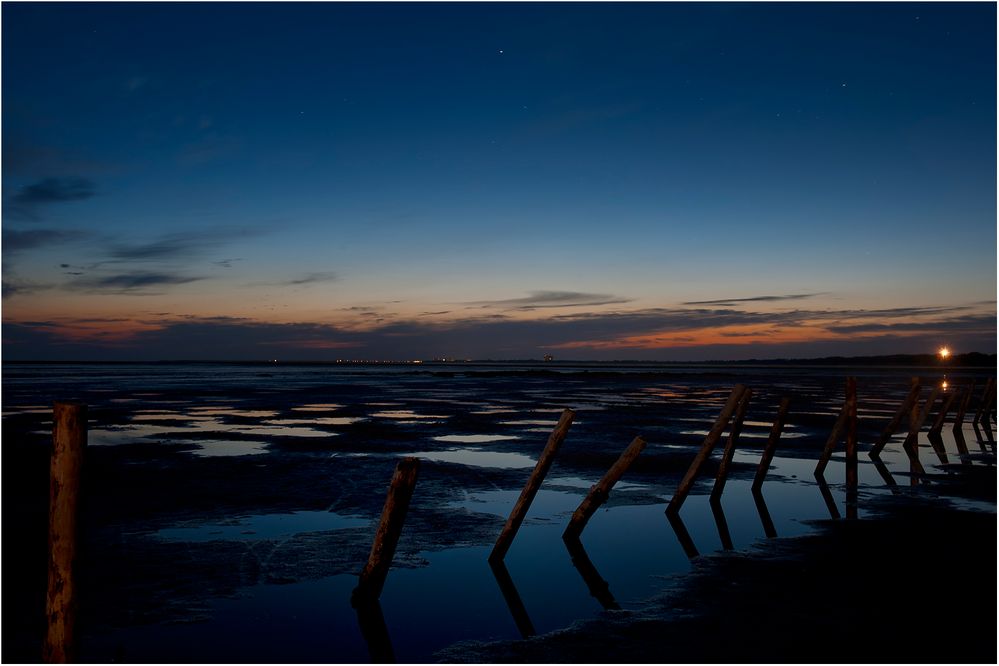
193	554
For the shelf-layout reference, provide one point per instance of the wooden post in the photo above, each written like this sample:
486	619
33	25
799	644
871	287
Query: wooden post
844	415
963	408
851	448
369	587
598	587
912	440
601	491
911	443
709	444
771	447
986	394
905	408
513	600
986	410
733	439
761	507
942	416
531	489
682	535
69	437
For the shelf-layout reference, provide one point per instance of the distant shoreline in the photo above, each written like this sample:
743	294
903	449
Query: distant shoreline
915	361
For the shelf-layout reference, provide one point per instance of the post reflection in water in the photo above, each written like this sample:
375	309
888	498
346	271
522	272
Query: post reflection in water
375	631
513	600
962	446
598	587
827	497
882	469
682	535
761	507
936	441
721	523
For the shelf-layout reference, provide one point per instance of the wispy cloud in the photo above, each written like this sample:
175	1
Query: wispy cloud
751	299
551	299
135	282
182	245
307	279
25	204
15	240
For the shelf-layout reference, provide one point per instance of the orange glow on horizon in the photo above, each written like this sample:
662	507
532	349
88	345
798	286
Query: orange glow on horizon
944	354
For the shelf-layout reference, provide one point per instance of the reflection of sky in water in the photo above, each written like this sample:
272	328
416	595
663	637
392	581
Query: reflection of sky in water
263	526
319	420
478	458
211	448
317	407
407	414
474	439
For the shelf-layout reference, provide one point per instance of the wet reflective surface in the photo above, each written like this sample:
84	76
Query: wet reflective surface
281	479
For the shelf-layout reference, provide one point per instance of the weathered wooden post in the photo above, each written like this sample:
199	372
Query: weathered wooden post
905	408
911	443
986	395
512	598
851	448
733	439
936	441
69	438
771	447
827	450
400	492
601	490
531	488
963	408
942	416
709	444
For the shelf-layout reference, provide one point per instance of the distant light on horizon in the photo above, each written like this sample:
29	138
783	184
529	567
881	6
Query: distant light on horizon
944	353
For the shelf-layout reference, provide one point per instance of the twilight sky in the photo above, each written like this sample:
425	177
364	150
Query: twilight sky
403	181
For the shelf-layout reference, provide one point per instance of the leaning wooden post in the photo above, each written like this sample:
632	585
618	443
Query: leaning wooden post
911	443
598	493
942	416
906	408
986	409
531	489
986	395
851	448
69	437
733	439
844	415
369	587
963	408
709	444
771	447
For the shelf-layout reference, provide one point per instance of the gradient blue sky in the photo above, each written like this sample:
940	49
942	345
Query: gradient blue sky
656	181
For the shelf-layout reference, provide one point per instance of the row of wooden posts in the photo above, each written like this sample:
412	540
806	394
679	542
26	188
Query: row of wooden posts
70	436
733	413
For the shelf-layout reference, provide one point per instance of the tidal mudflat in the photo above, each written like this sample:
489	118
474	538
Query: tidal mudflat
229	508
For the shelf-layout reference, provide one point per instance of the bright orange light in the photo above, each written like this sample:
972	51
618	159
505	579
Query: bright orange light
944	386
944	352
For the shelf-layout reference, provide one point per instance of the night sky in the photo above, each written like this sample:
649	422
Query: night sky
410	181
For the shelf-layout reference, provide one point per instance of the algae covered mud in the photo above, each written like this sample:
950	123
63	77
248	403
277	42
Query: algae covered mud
228	508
